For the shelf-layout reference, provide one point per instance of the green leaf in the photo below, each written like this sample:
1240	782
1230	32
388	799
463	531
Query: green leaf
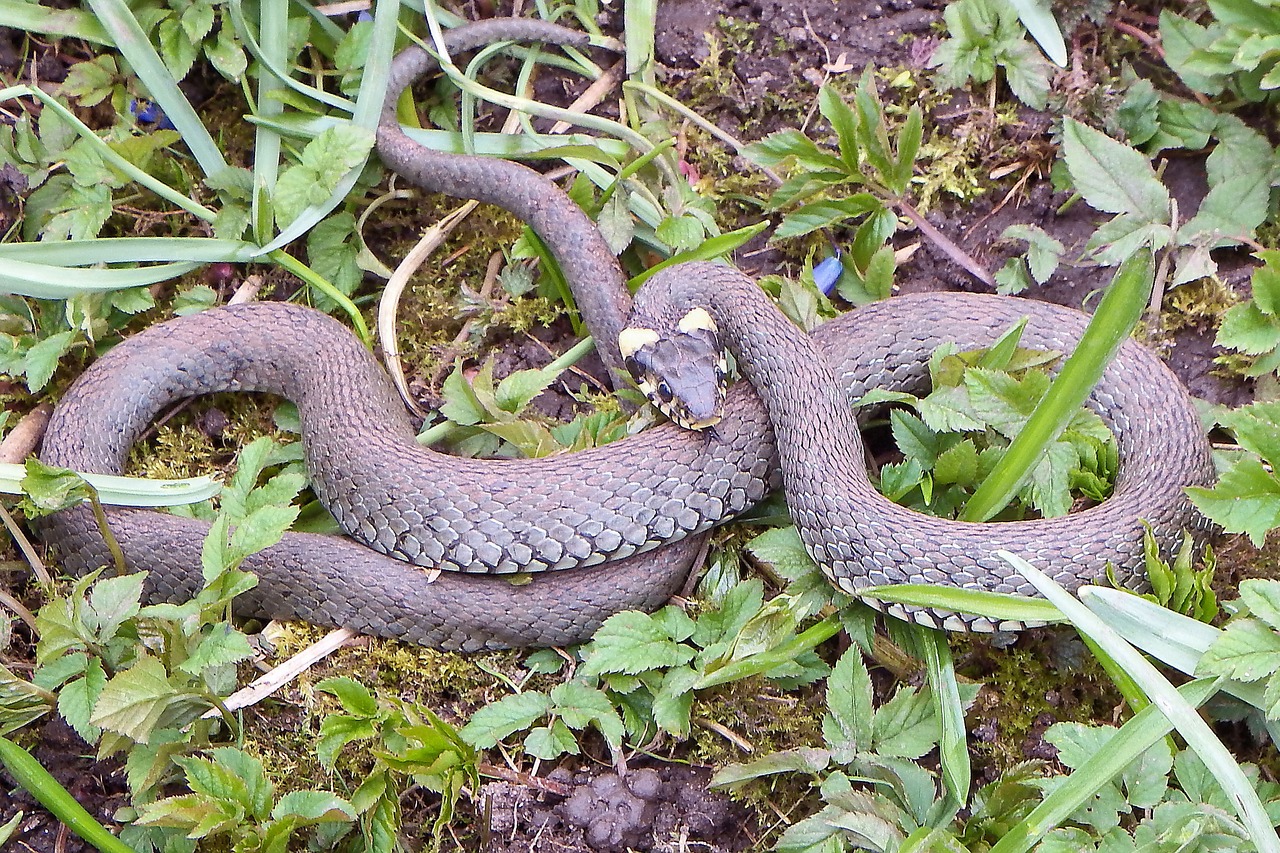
1247	650
631	642
548	742
847	727
1246	499
354	696
311	807
777	147
958	464
113	602
42	358
134	700
581	705
508	715
824	214
338	730
844	122
324	163
905	726
673	703
1111	176
1262	596
77	700
222	645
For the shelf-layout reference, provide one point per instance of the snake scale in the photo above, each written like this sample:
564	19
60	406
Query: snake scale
619	523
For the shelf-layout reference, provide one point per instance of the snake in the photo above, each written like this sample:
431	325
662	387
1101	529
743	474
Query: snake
539	552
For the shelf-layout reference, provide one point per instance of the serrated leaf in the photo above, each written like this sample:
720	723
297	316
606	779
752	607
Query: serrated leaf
1247	650
905	726
354	696
134	700
42	358
581	705
114	601
631	642
1111	176
222	645
673	703
508	715
324	162
338	730
847	726
548	742
77	700
1245	500
958	464
1262	595
311	807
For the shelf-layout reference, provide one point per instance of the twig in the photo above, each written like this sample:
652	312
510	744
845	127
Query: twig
25	436
540	783
272	680
943	242
24	545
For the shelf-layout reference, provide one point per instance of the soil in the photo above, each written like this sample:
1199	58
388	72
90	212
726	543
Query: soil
796	44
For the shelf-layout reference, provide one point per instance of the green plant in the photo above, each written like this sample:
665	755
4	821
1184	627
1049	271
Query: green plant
1114	178
865	158
150	699
409	743
978	402
875	749
1237	52
986	35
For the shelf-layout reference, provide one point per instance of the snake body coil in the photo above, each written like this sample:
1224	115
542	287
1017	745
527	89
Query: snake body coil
613	505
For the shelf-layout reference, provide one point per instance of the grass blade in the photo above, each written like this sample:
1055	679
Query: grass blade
1116	316
997	606
1194	730
126	491
60	23
43	281
126	250
1038	18
37	781
117	18
1129	742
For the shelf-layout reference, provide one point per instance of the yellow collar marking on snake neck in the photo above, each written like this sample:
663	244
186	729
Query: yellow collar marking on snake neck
696	320
634	339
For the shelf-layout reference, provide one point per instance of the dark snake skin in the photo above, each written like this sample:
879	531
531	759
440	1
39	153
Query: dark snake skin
610	506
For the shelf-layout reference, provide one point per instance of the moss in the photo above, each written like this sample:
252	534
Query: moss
1196	304
1025	693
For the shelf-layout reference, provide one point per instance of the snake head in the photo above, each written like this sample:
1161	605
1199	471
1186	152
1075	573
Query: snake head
682	370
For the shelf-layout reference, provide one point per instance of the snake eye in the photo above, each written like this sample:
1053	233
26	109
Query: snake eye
664	391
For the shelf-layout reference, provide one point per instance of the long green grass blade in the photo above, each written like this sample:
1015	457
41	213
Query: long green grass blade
42	281
1115	318
1130	741
710	249
108	154
993	605
509	146
59	23
953	744
127	491
1171	638
128	250
127	34
273	19
38	782
368	109
1194	730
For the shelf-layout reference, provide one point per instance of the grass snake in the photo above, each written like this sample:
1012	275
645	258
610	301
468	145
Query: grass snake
619	524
